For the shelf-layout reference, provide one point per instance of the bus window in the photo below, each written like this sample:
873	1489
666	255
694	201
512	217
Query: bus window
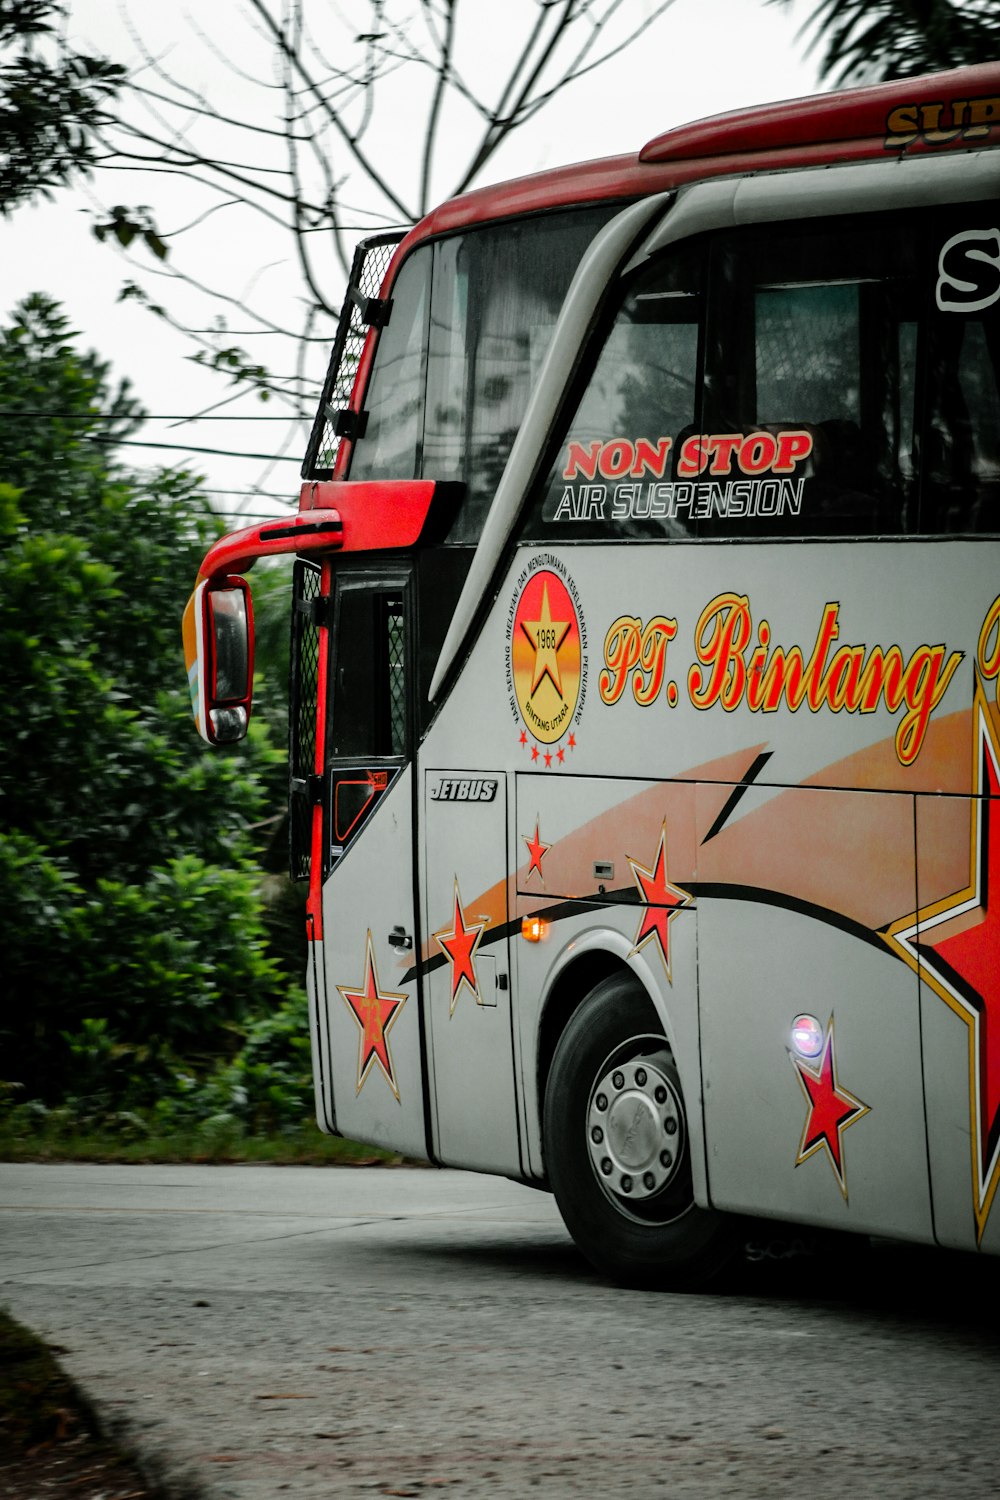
446	403
642	392
368	717
810	333
962	439
391	448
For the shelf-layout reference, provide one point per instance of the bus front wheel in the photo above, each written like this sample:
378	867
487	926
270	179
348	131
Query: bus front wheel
617	1147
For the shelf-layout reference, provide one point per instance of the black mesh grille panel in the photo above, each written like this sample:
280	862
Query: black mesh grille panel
371	261
302	719
395	647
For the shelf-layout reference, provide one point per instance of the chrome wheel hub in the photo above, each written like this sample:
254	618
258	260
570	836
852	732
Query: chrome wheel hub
635	1129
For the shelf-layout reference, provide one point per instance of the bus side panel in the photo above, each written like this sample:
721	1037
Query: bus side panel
811	1044
369	1026
467	972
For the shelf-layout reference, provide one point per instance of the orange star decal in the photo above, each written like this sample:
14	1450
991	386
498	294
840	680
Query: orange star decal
459	944
375	1011
662	902
831	1109
546	635
954	945
536	850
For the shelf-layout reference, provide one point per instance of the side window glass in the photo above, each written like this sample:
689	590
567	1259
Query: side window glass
496	297
809	383
368	709
366	719
393	440
613	473
961	457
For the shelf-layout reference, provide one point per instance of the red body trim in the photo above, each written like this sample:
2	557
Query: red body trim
822	119
314	901
319	531
377	514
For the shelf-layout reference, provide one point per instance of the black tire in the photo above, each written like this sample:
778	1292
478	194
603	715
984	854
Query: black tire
625	1193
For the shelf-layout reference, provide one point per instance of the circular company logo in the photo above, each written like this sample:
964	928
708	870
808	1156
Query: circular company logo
546	653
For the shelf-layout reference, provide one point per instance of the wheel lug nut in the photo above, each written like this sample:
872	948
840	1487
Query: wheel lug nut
597	1135
661	1094
618	1079
626	1184
640	1077
670	1125
666	1158
606	1167
602	1102
648	1181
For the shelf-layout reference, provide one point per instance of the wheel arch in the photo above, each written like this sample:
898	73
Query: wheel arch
583	965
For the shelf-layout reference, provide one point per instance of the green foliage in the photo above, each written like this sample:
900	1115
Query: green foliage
52	102
136	941
866	41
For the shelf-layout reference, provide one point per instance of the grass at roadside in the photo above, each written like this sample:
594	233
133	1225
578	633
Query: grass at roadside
131	1140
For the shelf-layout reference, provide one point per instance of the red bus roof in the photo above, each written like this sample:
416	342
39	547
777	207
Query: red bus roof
940	111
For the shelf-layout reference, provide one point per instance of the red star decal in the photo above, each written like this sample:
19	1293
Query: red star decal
662	902
536	849
459	943
375	1012
831	1109
571	742
954	945
560	755
534	752
548	759
524	737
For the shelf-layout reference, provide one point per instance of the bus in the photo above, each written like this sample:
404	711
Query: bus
645	665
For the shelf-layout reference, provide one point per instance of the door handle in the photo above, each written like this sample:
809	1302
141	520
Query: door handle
400	938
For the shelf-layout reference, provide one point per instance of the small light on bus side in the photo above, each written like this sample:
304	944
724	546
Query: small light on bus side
533	929
807	1036
218	649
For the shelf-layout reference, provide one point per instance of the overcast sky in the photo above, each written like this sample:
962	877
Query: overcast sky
702	57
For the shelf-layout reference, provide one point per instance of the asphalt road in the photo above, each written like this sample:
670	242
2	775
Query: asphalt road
261	1331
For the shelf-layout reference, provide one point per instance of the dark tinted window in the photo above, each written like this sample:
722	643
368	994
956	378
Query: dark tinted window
831	378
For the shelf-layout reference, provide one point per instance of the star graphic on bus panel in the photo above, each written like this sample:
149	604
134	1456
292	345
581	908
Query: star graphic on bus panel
459	943
955	946
546	635
831	1109
375	1012
537	850
662	902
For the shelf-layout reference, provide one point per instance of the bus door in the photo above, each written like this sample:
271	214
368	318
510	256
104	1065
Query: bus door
467	984
365	986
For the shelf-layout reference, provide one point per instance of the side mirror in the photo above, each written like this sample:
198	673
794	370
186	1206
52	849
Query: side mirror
218	649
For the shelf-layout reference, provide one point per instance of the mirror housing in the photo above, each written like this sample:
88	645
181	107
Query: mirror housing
218	649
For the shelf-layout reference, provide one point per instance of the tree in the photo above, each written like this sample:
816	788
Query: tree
129	889
51	101
867	41
302	161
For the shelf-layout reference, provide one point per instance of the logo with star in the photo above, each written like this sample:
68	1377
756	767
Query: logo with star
954	946
831	1109
661	900
375	1010
459	943
546	665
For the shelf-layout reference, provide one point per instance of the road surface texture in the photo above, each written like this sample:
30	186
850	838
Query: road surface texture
262	1331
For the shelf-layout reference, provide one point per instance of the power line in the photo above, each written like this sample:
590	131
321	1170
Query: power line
113	416
276	458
